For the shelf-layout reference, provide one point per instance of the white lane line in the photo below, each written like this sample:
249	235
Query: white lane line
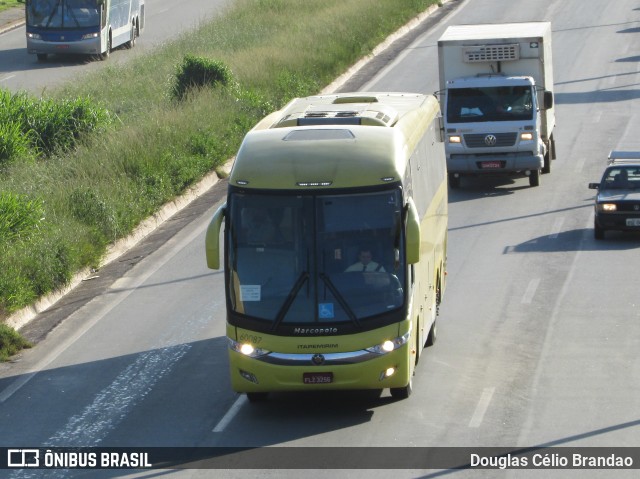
531	291
481	408
557	228
231	413
8	77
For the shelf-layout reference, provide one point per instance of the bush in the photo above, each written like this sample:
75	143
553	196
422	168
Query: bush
19	215
10	342
197	72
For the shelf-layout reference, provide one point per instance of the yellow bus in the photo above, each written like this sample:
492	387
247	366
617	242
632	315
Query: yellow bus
335	244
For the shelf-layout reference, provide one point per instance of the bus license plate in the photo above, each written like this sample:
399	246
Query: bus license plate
490	164
317	378
633	221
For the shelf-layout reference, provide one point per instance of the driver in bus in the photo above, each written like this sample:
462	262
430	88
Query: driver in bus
365	263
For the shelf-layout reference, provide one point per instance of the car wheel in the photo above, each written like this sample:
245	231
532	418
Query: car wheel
454	181
598	232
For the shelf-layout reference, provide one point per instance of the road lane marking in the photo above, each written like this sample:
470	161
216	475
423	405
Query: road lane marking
163	258
531	291
557	228
481	408
231	413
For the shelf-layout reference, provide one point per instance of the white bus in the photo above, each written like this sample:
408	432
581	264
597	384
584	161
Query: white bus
335	244
89	27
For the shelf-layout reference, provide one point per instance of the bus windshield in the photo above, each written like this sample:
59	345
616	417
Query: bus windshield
315	258
63	13
504	103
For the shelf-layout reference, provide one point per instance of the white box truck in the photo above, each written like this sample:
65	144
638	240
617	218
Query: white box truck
496	95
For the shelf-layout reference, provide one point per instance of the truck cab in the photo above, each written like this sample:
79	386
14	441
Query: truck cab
496	95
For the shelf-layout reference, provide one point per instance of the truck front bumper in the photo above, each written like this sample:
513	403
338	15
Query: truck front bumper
508	163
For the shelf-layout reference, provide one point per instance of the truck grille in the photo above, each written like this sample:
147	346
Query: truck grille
478	140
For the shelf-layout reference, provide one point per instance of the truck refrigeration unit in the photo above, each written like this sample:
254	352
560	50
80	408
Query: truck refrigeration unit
496	94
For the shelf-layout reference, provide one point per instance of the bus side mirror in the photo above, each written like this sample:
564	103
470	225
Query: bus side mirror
412	233
212	238
548	99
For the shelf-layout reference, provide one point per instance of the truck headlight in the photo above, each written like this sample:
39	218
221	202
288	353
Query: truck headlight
455	139
527	136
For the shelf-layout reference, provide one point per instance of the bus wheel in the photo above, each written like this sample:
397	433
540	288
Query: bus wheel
42	57
107	52
433	334
132	42
404	392
257	397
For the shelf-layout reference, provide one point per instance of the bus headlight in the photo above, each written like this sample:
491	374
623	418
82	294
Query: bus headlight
33	36
89	36
390	344
247	349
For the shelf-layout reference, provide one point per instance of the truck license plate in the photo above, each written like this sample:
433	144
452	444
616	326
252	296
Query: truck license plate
490	164
633	221
317	378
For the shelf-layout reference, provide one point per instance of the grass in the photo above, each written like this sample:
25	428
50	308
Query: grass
78	201
7	4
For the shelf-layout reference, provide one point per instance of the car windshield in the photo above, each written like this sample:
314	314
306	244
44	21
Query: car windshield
315	258
63	13
504	103
621	178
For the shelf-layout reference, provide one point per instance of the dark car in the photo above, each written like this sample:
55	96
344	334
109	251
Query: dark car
617	205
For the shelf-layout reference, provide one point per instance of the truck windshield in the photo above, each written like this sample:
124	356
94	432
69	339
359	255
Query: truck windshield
315	258
63	13
504	103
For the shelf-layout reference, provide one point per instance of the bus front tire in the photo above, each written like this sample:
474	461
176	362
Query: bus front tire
42	57
257	397
402	393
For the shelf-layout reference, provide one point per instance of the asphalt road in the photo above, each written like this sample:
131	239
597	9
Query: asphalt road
539	327
165	20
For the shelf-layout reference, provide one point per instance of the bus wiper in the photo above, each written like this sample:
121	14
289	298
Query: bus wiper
73	15
341	300
53	12
304	276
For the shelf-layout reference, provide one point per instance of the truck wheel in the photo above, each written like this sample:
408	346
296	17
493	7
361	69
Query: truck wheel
547	163
534	178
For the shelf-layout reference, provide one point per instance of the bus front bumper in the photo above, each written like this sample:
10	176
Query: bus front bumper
390	370
90	46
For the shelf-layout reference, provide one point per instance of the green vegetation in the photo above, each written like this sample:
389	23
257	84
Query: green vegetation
145	131
6	4
10	342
